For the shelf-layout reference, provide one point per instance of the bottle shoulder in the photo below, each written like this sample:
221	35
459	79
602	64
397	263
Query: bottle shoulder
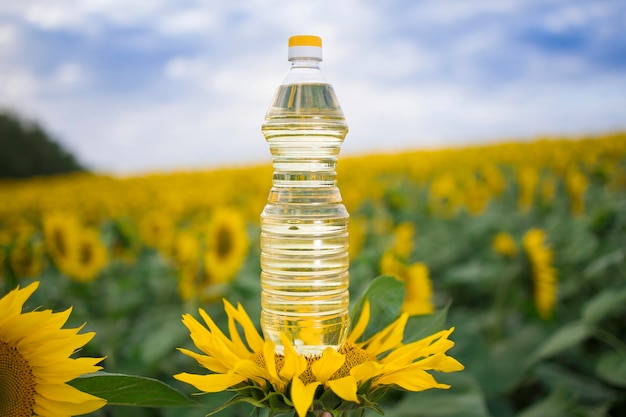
305	100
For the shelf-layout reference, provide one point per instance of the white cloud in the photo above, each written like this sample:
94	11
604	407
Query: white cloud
405	78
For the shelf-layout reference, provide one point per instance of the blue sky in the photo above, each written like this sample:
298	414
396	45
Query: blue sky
156	85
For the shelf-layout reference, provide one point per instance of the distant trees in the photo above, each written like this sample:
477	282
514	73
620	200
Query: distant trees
26	150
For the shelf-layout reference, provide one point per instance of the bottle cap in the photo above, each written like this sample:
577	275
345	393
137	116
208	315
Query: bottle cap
304	46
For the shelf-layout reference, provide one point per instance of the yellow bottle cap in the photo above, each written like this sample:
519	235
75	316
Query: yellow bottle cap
305	40
305	46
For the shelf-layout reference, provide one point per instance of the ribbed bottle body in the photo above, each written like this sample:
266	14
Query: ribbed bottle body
304	226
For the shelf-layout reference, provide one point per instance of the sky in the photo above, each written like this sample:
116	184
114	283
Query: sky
141	86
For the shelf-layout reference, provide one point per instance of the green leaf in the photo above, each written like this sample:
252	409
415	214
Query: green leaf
566	337
119	389
585	388
558	404
463	399
385	295
603	305
602	263
612	368
422	326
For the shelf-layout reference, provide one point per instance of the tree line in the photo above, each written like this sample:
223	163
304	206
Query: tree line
26	150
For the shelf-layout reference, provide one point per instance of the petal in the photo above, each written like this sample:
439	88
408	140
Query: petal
65	408
410	378
13	302
269	354
440	362
366	370
64	393
294	364
240	348
345	388
302	395
361	325
212	382
327	365
406	354
210	363
254	339
389	338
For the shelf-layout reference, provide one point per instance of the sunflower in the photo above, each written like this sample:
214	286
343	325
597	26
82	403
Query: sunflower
543	273
226	242
25	258
60	231
35	361
419	290
576	184
89	257
355	375
157	230
357	235
527	178
504	244
403	240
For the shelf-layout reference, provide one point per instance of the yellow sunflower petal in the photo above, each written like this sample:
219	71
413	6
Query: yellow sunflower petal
208	362
254	339
410	378
64	393
269	355
212	382
345	388
390	337
302	396
327	365
294	364
366	370
241	349
361	325
47	407
406	354
12	303
440	362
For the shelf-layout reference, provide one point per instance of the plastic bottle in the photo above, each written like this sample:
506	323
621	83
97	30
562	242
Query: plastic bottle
304	226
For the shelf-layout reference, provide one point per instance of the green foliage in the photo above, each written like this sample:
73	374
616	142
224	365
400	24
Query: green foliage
130	390
26	150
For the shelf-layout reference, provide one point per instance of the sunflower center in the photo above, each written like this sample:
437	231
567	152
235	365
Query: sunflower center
17	383
354	356
224	242
86	253
59	241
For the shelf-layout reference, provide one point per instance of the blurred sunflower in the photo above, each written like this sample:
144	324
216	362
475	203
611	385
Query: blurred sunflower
357	374
504	244
543	273
186	249
476	196
35	361
26	258
576	184
527	178
89	256
419	290
403	243
156	230
444	195
60	231
357	235
226	241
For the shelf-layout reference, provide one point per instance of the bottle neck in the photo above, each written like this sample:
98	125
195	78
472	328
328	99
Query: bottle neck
305	63
303	70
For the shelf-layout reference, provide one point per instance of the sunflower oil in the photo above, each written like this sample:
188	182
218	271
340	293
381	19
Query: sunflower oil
304	226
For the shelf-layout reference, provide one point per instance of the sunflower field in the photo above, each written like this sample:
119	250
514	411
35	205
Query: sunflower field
520	246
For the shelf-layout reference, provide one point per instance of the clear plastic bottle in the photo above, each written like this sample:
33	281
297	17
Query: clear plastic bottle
304	226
